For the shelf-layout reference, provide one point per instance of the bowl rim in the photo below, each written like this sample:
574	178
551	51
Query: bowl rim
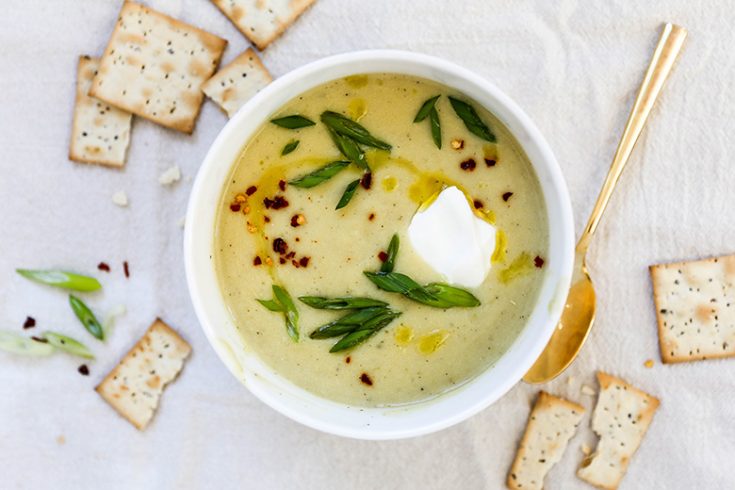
553	185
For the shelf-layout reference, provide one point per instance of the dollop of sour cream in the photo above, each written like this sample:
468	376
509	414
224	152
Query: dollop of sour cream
452	240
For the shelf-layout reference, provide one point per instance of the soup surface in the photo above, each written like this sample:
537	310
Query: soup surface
270	232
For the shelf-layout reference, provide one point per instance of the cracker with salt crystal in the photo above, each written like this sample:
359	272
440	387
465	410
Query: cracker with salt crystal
100	132
262	21
237	82
135	385
621	419
551	424
695	309
154	66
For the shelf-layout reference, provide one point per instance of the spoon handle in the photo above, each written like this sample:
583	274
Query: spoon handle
672	39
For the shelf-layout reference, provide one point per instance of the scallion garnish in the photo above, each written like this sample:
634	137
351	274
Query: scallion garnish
289	147
342	303
282	302
293	122
471	119
347	127
61	279
319	175
17	344
85	315
68	344
347	194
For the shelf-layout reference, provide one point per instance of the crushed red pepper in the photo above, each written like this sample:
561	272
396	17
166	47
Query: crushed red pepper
266	219
126	269
281	260
282	185
478	204
235	207
83	370
251	190
382	256
538	262
367	180
507	196
257	260
277	202
103	267
490	162
348	359
304	261
280	246
29	323
295	263
468	165
365	378
371	216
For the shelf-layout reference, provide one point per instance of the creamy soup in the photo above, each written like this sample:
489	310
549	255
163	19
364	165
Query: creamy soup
269	232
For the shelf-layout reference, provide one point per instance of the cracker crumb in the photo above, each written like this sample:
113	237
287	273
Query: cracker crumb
586	450
648	363
457	144
570	380
170	176
120	198
586	390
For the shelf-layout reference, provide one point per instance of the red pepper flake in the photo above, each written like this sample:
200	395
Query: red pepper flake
281	260
251	190
291	255
280	246
83	370
538	262
383	256
103	267
371	216
295	263
297	220
367	180
282	185
126	269
257	260
348	359
277	202
266	219
235	207
365	378
468	165
304	261
490	162
506	196
297	239
39	339
478	204
29	323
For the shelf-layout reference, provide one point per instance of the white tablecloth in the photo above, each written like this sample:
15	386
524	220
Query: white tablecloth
573	65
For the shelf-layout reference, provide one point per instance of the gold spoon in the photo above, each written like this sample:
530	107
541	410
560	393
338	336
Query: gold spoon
579	311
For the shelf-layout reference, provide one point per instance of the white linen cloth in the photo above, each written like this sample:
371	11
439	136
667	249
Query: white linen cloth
573	65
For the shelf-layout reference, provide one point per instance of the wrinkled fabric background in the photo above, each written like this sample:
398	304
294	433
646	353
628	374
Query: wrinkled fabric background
573	65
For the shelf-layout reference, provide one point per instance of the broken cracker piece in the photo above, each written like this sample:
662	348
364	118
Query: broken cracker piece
262	21
120	198
100	133
551	424
621	419
154	66
135	385
170	176
237	82
695	309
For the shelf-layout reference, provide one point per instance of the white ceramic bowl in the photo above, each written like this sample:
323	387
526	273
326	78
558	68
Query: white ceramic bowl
300	405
